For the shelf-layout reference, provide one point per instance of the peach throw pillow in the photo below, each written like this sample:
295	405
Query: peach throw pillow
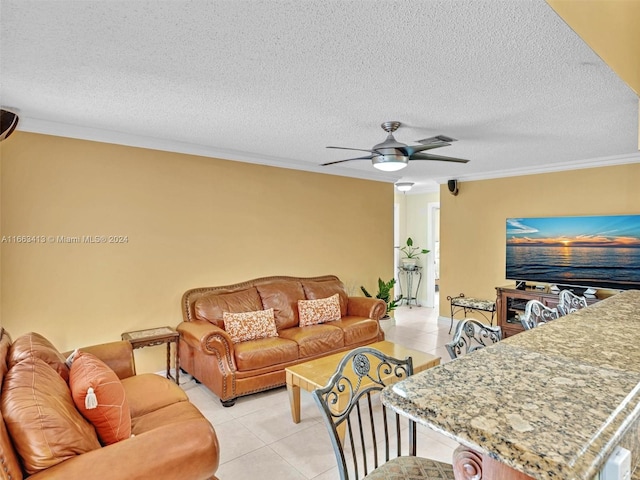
322	310
100	397
250	325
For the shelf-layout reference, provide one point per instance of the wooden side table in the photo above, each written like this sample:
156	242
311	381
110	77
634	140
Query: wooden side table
158	336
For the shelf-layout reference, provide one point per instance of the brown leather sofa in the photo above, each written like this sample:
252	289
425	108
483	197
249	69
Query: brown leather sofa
231	370
171	439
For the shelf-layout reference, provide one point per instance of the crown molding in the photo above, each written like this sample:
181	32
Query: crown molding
556	167
45	127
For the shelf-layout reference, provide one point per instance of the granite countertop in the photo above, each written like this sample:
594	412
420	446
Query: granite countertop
551	402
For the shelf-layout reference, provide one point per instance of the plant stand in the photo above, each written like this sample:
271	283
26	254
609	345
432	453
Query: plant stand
409	274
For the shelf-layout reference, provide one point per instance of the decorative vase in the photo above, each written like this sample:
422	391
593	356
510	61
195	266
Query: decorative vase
409	263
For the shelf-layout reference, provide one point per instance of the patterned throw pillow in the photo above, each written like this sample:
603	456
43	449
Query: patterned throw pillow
100	397
322	310
250	325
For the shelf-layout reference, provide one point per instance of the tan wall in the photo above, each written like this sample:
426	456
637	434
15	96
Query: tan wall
189	221
472	224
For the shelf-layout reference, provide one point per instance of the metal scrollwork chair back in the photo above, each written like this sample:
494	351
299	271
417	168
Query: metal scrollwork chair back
537	313
365	435
470	335
570	302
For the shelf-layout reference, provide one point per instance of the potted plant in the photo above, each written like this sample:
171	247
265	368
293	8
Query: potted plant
384	293
411	254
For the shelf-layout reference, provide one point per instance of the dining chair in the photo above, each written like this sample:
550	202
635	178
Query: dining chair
537	313
372	446
570	302
470	335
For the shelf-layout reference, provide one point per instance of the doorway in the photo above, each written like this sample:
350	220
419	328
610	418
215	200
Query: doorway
433	259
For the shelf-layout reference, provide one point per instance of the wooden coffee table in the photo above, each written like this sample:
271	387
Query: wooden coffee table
315	373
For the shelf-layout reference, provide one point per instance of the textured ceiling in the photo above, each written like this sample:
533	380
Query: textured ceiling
275	82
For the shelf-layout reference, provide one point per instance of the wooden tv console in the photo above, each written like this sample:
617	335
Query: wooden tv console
510	304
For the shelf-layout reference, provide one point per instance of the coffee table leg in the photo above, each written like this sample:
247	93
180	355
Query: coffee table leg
294	397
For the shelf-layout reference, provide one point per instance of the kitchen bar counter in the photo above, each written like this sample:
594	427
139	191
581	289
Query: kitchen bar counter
552	402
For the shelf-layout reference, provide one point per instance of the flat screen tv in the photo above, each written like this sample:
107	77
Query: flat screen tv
587	251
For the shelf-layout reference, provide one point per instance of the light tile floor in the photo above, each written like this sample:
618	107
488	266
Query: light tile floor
258	439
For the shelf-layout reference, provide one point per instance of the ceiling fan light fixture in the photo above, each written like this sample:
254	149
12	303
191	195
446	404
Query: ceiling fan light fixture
391	155
404	186
390	163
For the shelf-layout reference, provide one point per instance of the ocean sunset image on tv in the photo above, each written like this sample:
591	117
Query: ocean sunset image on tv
588	251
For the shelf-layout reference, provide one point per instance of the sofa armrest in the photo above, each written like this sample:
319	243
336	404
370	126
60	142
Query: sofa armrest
210	339
187	450
117	355
366	307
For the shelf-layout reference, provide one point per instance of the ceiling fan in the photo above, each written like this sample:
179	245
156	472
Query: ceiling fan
392	155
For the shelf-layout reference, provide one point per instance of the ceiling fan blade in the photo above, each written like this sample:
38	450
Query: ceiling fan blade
346	160
411	149
428	156
358	149
437	139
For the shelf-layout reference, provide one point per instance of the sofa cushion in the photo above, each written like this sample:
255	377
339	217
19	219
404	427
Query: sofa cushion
316	290
250	325
41	417
211	307
315	340
149	392
265	352
317	311
175	413
34	344
283	297
358	330
89	376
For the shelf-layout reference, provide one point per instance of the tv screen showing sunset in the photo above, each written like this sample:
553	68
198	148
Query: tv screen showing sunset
594	251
